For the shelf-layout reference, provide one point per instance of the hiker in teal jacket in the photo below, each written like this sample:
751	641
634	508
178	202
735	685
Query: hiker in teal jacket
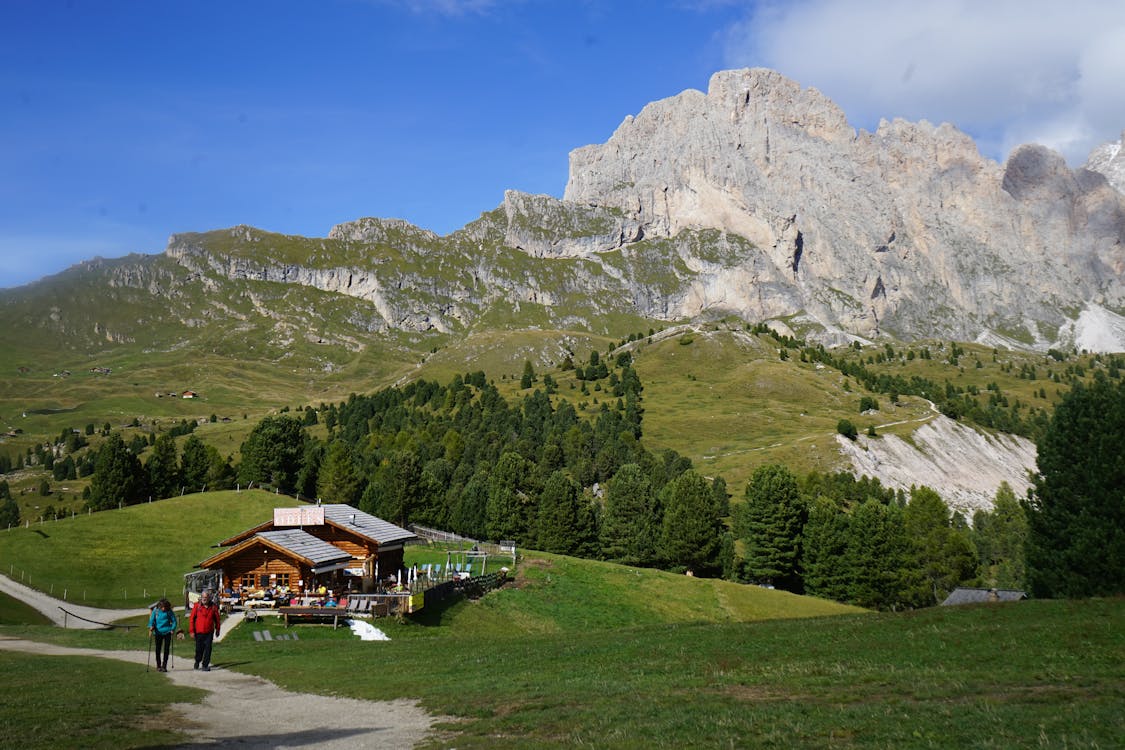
162	624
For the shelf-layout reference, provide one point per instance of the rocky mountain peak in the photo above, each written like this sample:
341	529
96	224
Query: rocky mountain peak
755	199
908	230
1108	159
380	231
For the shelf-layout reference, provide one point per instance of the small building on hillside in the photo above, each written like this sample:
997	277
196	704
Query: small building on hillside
982	596
302	548
189	394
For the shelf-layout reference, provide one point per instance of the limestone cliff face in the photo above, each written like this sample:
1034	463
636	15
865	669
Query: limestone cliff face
907	230
755	199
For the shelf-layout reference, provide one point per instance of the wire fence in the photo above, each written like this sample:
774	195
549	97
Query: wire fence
79	593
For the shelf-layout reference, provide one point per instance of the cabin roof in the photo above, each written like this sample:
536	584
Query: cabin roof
292	542
345	517
978	596
305	545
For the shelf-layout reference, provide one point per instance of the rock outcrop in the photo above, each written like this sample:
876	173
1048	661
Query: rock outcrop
907	230
965	466
1109	160
756	199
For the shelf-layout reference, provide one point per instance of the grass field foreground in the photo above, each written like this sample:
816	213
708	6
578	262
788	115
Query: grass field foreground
1044	674
56	702
572	657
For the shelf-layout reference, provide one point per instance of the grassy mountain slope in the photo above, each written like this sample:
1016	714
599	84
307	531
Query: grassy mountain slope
714	392
113	558
255	321
127	557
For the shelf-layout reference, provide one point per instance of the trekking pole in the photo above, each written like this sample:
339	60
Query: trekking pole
148	651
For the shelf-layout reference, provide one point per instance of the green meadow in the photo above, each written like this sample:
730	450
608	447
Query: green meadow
85	702
129	557
583	653
1033	674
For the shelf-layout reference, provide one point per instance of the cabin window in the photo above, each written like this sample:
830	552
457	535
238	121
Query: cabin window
283	579
248	581
263	581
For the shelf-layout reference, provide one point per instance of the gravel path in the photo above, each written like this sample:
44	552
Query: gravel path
250	713
53	608
242	711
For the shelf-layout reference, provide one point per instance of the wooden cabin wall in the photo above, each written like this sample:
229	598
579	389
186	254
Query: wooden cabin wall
354	546
253	561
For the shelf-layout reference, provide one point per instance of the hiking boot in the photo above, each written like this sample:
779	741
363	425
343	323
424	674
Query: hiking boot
207	669
196	666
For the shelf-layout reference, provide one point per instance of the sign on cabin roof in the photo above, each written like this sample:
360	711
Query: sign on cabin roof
295	543
305	515
344	517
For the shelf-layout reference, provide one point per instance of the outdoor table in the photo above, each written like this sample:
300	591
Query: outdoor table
314	613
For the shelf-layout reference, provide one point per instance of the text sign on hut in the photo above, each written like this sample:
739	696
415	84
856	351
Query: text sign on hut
307	516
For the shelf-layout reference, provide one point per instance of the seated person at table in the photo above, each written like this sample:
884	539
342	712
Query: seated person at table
330	601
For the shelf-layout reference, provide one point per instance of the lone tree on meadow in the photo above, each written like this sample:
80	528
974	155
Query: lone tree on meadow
1076	516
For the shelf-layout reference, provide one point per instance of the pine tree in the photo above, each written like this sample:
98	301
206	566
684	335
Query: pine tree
1000	537
558	515
769	523
163	468
509	506
470	510
402	477
632	518
824	545
118	476
194	463
877	556
309	474
272	452
1076	517
692	531
9	509
528	378
942	556
338	480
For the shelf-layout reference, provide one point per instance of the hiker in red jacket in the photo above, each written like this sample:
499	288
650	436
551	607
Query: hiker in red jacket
203	623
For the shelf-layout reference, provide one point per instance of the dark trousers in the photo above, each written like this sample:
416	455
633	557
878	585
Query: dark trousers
203	648
163	644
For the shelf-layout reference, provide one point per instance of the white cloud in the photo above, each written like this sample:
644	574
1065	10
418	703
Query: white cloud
1006	71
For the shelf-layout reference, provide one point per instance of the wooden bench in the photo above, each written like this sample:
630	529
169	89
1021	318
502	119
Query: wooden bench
335	614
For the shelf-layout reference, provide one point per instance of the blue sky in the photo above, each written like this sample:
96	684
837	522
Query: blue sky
123	122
